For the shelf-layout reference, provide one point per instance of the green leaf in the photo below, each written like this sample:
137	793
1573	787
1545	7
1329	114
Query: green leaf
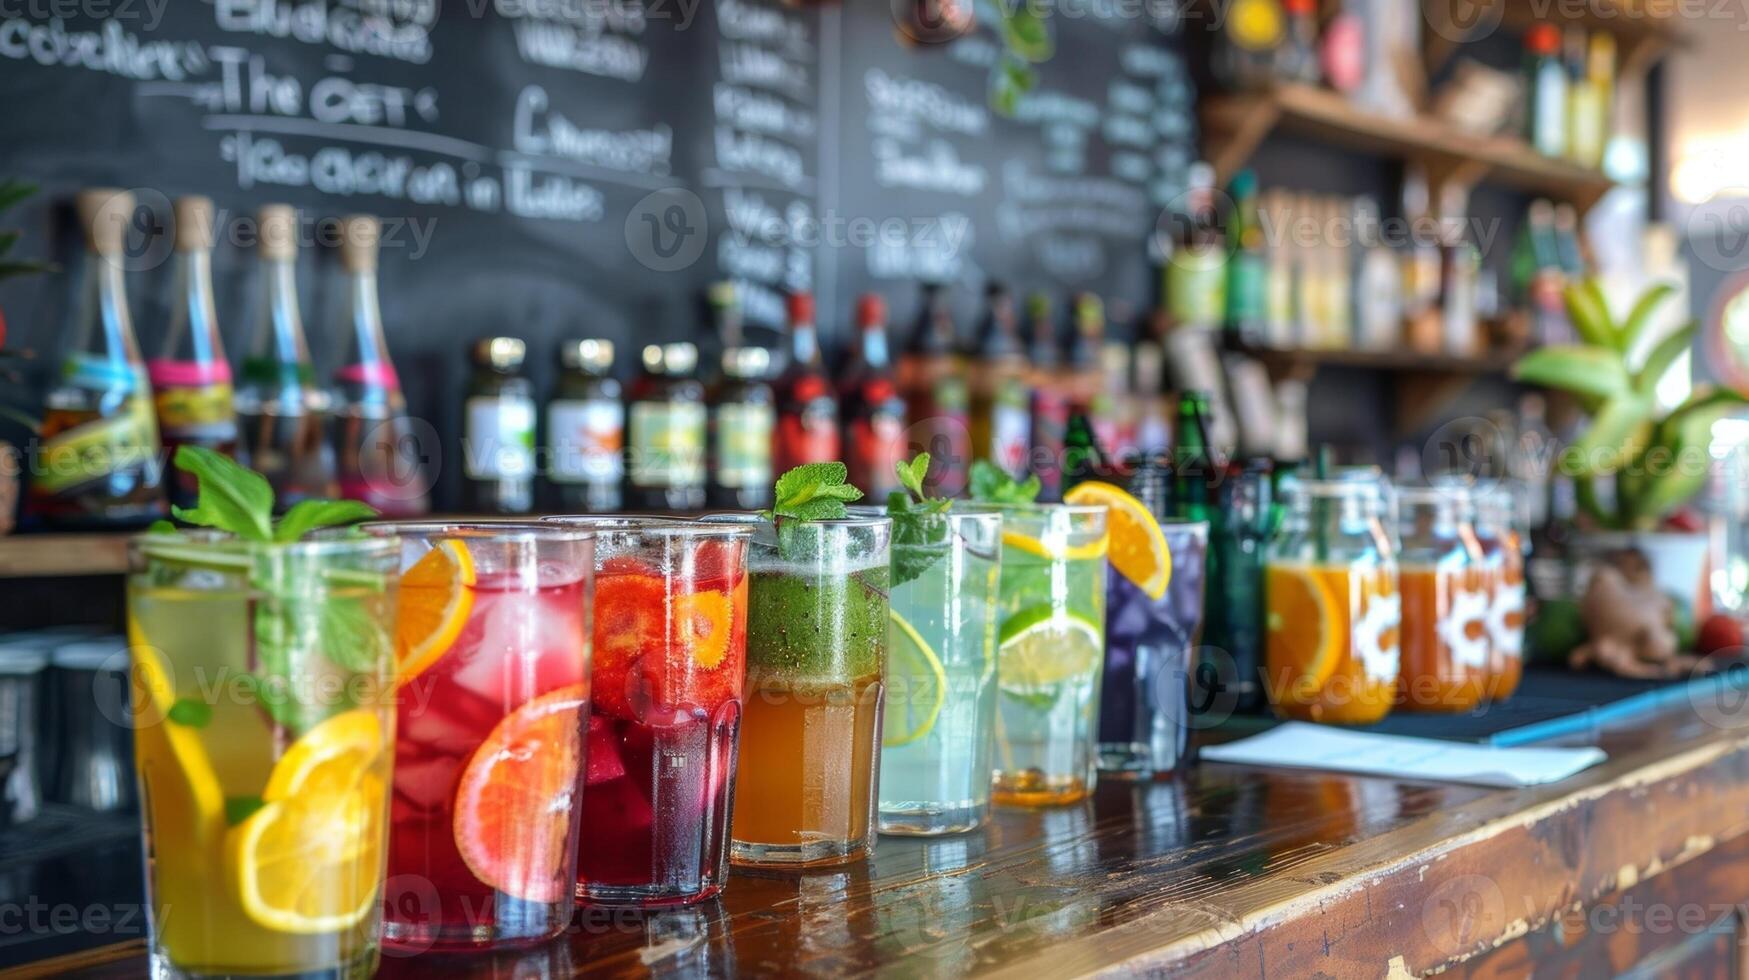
307	515
1004	95
1679	474
1026	35
1594	371
1640	317
161	527
231	498
1703	405
190	712
911	474
813	492
1662	356
818	509
1590	315
1601	449
240	808
349	635
992	484
13	191
10	269
7	240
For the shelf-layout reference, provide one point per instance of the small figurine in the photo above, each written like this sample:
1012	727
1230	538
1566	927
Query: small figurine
1631	624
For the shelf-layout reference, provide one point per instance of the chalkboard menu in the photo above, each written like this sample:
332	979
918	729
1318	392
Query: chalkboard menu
562	168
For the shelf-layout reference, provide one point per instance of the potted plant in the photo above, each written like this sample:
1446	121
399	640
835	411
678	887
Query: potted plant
1636	463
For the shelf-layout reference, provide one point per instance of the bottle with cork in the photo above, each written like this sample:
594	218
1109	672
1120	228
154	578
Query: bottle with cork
378	446
191	379
283	412
98	463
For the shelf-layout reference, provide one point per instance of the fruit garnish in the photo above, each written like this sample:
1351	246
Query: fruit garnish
436	596
1042	646
191	778
514	804
702	626
1306	631
309	861
1138	548
629	613
916	685
1053	548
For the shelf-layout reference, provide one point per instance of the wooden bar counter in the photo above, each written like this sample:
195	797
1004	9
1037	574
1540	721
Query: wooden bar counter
1637	864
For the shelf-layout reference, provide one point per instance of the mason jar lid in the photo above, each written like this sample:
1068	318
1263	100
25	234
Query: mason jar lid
499	353
593	355
673	360
746	363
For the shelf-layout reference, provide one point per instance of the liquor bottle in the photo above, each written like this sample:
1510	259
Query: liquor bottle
1245	50
586	431
874	414
1339	278
725	314
99	461
1421	271
742	420
1153	413
498	431
1114	411
1001	407
1050	402
1296	60
1546	120
807	409
1194	468
1085	369
1590	102
1196	283
933	383
379	457
1568	252
282	411
191	379
1280	320
1247	269
665	432
1378	309
1581	98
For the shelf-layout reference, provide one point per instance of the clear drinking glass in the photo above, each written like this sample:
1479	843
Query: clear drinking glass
1144	704
939	719
817	620
261	702
492	704
1051	646
1445	589
670	665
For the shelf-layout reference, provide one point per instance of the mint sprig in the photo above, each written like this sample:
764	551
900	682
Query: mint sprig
993	485
920	531
238	500
813	492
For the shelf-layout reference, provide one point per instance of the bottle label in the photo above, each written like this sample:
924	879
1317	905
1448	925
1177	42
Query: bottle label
193	399
588	440
876	443
1196	286
1011	437
500	438
744	444
93	450
808	436
667	444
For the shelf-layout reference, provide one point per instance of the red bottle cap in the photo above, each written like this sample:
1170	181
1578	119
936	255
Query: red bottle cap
871	310
1543	38
1301	6
801	308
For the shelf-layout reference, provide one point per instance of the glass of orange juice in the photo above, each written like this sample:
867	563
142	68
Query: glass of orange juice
1445	591
1498	520
1332	613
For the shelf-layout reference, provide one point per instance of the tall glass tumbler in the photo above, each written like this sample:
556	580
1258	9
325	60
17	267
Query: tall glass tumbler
492	703
817	621
670	666
262	717
939	720
1051	647
1145	698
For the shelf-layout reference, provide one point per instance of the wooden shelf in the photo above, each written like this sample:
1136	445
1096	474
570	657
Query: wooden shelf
1642	36
1236	124
57	555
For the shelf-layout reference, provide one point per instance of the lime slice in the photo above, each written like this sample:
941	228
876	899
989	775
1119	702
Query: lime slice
1056	549
1043	647
916	685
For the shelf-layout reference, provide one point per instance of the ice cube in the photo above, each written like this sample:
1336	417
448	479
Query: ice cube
428	782
604	761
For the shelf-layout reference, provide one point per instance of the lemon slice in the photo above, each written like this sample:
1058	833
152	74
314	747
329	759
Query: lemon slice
1138	547
436	596
1305	630
1043	646
916	685
1055	550
310	860
185	787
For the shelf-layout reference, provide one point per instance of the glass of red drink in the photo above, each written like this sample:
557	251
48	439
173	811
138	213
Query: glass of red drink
492	706
670	664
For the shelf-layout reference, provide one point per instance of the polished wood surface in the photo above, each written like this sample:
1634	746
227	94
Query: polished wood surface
1233	870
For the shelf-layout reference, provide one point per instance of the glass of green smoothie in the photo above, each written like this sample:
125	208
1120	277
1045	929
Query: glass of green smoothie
816	658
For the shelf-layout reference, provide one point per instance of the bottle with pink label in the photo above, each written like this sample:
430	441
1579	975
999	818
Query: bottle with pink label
191	380
380	449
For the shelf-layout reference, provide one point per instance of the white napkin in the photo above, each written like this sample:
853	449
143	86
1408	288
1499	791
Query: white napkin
1303	746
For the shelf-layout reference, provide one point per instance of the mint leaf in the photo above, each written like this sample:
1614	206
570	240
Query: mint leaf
190	712
307	515
813	492
240	808
232	497
349	635
991	484
911	474
920	535
161	527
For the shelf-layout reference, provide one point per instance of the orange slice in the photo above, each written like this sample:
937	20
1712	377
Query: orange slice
514	803
702	623
1138	548
436	596
1305	627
